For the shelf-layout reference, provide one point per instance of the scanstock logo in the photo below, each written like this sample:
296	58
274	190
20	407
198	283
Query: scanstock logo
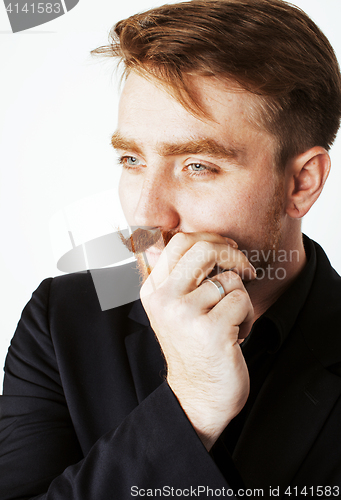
24	15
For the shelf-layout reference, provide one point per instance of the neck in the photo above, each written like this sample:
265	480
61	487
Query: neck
278	276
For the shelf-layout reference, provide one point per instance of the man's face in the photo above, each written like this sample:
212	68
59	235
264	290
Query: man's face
185	173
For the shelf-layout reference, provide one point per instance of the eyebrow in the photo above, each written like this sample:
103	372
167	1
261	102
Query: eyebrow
207	147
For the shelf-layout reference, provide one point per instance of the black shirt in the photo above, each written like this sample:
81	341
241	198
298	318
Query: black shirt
261	349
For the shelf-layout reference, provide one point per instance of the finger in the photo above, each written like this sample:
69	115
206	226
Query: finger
175	250
200	259
207	295
237	311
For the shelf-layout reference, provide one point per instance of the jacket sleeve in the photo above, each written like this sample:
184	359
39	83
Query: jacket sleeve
154	448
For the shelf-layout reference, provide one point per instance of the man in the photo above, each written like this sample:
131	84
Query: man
226	117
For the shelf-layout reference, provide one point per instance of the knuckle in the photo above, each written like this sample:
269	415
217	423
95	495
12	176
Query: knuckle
243	258
146	290
240	295
232	276
180	239
203	246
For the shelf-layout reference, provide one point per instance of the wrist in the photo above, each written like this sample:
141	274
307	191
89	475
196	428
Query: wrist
207	420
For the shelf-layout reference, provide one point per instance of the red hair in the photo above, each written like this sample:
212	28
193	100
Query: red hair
269	47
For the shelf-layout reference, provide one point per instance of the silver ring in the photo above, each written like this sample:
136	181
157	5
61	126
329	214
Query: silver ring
218	286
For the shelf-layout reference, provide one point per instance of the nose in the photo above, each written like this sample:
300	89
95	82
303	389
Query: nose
156	206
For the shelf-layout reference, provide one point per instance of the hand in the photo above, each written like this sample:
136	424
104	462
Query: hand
199	333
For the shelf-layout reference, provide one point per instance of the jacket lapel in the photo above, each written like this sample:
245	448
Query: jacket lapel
299	394
144	354
287	416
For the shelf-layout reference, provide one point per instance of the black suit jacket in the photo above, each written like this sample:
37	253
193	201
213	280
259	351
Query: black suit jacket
86	413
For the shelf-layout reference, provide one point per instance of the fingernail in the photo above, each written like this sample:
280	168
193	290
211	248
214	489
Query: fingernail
231	242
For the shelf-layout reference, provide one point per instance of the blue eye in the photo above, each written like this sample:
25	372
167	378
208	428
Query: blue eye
200	171
197	167
131	160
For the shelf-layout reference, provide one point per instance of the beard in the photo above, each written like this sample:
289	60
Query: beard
261	253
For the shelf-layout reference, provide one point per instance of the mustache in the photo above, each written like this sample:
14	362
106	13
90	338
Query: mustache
142	239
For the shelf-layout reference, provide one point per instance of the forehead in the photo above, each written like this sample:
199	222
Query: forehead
214	96
148	113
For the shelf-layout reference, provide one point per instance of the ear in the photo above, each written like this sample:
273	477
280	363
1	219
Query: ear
305	176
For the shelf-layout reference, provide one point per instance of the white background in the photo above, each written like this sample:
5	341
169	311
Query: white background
57	112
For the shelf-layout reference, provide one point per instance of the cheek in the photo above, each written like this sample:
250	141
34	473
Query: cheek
227	211
212	210
127	195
